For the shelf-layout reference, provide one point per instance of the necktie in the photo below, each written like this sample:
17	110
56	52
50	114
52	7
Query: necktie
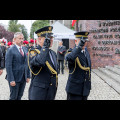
21	52
84	53
51	57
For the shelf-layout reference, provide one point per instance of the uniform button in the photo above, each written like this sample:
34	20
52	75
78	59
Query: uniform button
86	72
51	75
85	79
51	84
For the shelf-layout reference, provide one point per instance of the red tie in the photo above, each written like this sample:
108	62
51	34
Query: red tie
21	52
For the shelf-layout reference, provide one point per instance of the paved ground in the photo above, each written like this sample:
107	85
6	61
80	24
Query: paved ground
100	90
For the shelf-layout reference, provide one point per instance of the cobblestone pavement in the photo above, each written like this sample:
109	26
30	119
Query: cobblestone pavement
100	90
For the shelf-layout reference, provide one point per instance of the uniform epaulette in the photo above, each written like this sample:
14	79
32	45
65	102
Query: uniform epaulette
33	52
69	50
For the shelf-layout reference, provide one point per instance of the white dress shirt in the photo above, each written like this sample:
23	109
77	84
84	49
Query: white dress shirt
18	47
83	51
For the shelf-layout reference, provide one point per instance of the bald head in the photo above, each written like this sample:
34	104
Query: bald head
60	43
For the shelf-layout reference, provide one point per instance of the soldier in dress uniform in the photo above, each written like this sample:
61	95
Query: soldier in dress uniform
43	65
25	45
31	44
1	63
3	48
79	81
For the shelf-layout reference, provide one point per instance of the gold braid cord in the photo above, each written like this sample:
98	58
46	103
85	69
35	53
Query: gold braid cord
67	52
36	50
52	71
80	66
48	65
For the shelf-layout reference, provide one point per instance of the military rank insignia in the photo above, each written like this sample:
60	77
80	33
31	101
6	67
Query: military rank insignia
32	53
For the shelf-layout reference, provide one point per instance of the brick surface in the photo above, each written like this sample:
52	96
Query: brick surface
110	29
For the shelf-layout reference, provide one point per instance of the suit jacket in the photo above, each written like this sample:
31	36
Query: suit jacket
79	82
16	65
43	84
63	50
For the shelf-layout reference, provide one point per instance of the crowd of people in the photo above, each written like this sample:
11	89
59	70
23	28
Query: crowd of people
40	64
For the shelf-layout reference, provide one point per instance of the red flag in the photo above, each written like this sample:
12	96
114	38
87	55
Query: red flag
73	22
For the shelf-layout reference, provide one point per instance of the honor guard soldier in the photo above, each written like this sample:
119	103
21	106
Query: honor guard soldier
79	81
43	65
25	45
1	65
31	44
3	48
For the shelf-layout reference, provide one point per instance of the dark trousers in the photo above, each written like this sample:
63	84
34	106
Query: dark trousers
61	65
76	97
17	91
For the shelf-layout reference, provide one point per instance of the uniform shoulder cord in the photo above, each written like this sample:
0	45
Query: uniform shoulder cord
48	65
52	71
80	66
29	64
67	52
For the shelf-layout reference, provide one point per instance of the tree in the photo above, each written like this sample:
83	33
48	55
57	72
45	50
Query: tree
24	31
37	25
6	34
13	26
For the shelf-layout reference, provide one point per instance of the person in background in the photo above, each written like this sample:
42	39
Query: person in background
1	65
9	44
31	44
25	44
3	48
60	56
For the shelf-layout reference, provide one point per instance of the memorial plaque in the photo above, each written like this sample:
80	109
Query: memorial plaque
104	45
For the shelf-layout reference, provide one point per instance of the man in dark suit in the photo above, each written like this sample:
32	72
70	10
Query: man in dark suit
79	81
43	65
1	63
17	68
60	56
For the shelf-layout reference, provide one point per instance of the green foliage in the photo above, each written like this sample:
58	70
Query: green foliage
24	31
37	25
15	27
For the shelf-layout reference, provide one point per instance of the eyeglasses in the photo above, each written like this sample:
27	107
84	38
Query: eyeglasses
20	38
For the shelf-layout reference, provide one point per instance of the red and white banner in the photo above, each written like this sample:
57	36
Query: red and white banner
73	22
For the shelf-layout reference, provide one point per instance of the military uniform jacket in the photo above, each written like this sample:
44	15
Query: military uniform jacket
43	85
63	50
79	80
3	48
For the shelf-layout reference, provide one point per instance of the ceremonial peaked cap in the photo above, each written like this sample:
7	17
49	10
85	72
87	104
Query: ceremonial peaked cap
83	34
45	30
